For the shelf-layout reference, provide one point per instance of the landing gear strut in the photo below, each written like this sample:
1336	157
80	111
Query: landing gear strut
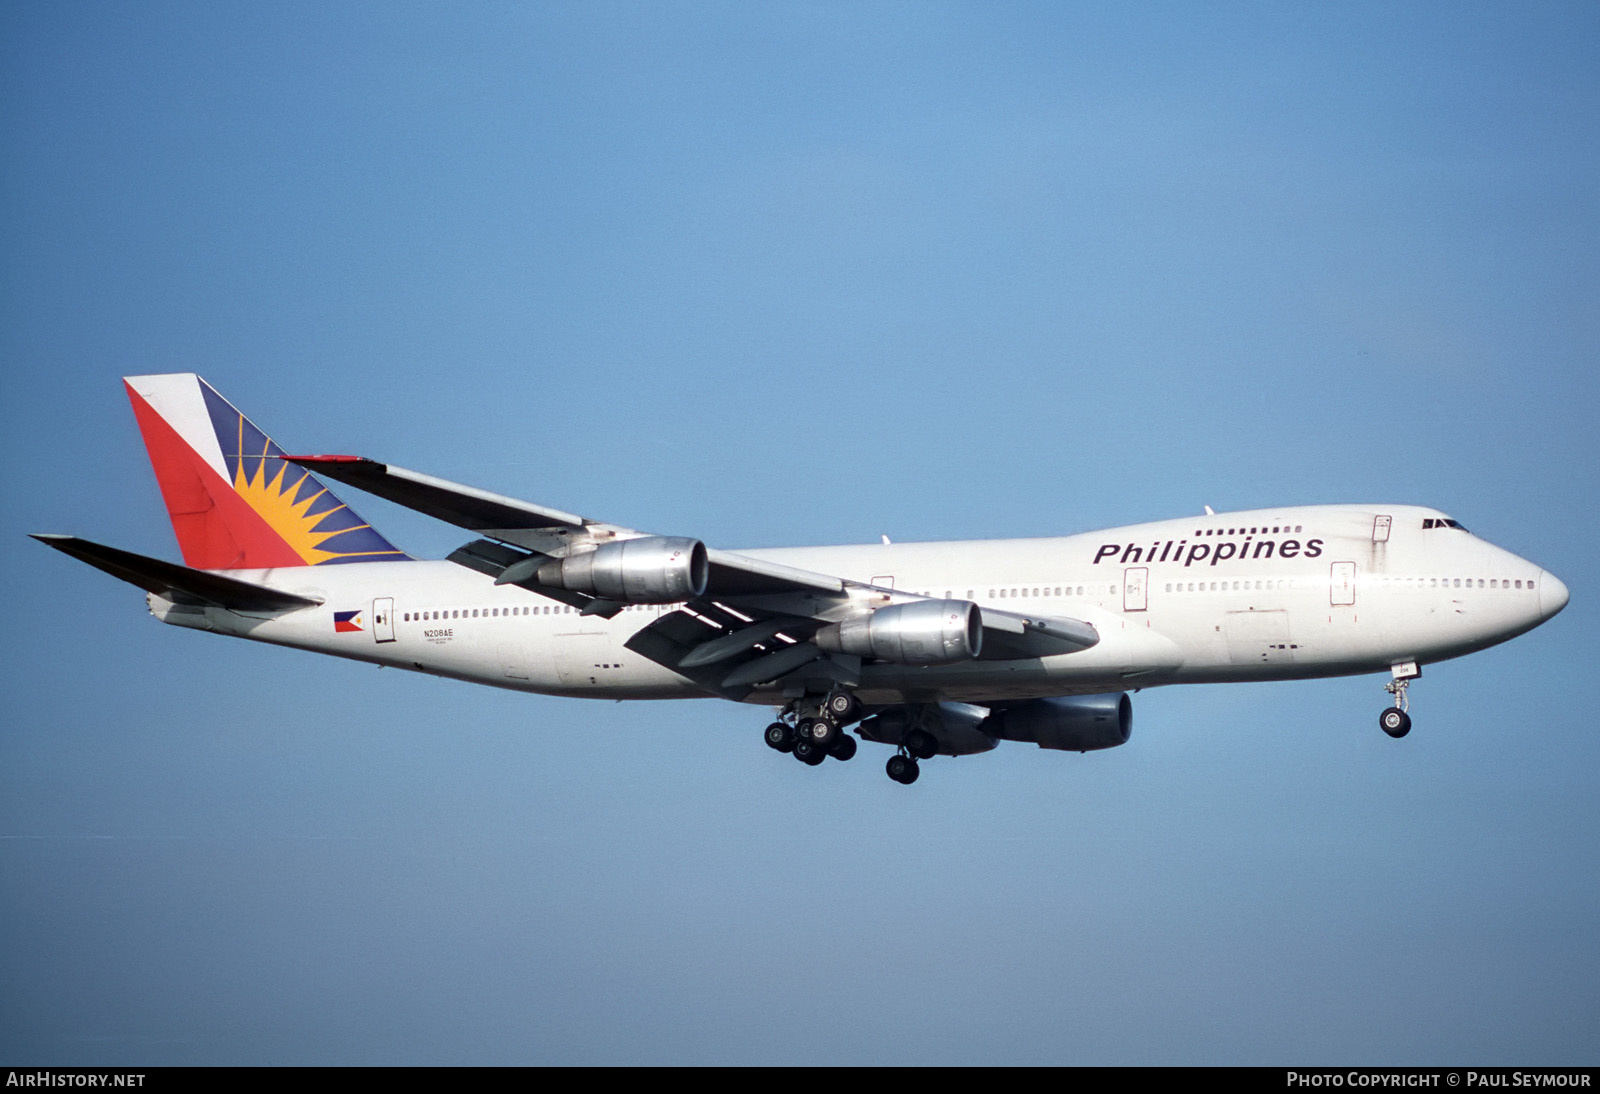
917	744
1395	721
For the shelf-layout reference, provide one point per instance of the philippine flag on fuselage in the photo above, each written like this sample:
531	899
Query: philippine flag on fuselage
347	621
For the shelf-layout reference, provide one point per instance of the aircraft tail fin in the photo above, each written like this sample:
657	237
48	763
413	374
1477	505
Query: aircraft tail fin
235	502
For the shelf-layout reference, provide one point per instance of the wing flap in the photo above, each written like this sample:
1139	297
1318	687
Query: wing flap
1008	636
773	665
733	643
670	639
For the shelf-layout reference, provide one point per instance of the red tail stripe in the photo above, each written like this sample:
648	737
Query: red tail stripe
217	529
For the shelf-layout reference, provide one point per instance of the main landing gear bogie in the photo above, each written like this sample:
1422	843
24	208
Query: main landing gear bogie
812	730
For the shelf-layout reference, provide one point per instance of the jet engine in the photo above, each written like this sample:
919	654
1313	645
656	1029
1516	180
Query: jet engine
1072	723
650	570
927	730
924	632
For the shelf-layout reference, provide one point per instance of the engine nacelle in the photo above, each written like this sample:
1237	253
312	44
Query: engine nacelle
651	570
924	632
1072	723
956	728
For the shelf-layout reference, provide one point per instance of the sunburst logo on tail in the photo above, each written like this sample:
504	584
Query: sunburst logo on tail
290	510
235	502
313	522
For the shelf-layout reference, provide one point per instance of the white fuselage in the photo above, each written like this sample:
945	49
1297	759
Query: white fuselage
1271	594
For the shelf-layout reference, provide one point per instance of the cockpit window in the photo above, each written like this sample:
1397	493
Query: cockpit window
1441	522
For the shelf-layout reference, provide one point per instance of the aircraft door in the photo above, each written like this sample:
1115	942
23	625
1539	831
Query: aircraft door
383	619
883	581
1342	588
1135	593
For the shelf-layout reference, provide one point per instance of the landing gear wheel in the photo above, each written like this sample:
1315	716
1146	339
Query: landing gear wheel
902	769
841	707
809	752
780	735
1395	722
824	731
844	748
921	744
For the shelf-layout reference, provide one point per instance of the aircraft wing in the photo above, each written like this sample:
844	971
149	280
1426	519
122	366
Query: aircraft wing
548	531
466	506
753	623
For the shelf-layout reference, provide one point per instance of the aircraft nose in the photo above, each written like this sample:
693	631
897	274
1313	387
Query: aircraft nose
1553	595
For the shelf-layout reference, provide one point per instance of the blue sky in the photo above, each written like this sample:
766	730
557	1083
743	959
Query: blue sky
789	275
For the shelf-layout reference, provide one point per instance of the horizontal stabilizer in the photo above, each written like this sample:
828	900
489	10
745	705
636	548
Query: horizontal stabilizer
179	584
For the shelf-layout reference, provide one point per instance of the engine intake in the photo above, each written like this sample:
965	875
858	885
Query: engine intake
1072	723
650	570
924	632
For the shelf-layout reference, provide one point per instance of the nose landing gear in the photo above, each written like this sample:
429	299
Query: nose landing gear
1396	721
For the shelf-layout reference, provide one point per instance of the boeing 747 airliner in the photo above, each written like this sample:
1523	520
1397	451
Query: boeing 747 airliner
930	648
